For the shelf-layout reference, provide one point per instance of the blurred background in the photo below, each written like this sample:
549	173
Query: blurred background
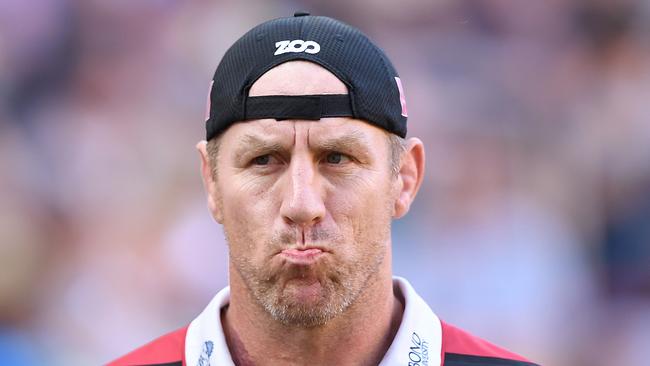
532	228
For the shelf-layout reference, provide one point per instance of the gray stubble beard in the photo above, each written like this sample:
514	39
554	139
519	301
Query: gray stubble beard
339	291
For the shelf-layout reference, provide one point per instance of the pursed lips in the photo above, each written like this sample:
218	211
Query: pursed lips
302	255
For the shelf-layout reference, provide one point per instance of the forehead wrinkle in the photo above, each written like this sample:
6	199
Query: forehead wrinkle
317	136
295	135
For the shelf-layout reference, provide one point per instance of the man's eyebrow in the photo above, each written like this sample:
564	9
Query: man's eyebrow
255	144
352	141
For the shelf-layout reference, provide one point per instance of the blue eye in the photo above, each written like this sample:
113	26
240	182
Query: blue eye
262	160
335	158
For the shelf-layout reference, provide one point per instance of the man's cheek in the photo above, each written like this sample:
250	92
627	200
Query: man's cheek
247	227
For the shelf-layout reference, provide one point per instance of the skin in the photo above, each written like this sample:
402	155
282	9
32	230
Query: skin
285	187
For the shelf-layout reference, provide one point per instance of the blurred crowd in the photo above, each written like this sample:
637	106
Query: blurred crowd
532	228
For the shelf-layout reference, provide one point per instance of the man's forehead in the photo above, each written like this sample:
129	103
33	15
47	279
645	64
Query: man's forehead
289	130
297	78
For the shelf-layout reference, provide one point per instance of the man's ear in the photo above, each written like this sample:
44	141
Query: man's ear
209	183
410	176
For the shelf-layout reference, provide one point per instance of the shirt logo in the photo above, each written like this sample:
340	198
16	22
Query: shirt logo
418	351
206	351
297	46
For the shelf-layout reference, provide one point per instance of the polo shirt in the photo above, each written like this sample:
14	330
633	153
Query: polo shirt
421	340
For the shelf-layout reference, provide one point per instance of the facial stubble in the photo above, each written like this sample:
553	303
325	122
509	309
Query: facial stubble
341	279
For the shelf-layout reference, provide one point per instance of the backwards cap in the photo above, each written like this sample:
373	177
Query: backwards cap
374	89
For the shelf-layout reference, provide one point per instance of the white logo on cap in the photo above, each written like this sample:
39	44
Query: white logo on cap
297	46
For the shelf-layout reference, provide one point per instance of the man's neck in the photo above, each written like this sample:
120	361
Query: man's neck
359	336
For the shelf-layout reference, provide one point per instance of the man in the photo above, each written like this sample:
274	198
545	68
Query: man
305	166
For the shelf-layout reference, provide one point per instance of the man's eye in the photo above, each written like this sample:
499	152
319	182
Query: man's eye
262	160
336	158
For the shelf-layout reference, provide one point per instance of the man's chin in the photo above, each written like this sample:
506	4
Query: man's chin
304	303
307	291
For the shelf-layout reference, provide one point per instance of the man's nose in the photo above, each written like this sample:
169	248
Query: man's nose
302	203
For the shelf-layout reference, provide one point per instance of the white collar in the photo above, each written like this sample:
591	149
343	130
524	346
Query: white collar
418	340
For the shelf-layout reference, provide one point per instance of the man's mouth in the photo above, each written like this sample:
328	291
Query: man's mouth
302	256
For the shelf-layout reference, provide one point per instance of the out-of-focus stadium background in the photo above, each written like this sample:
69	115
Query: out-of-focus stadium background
532	228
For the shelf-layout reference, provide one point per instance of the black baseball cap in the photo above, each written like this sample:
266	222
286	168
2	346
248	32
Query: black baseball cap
375	91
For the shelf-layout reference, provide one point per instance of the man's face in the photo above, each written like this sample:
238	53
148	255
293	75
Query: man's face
306	205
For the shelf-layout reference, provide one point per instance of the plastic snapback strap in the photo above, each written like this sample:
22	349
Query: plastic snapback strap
309	107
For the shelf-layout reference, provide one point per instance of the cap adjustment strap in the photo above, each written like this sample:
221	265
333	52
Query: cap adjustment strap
307	107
